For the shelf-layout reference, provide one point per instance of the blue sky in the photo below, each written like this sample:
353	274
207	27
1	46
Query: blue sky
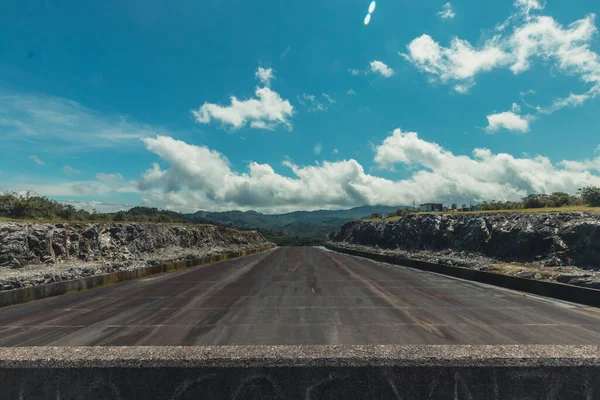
278	106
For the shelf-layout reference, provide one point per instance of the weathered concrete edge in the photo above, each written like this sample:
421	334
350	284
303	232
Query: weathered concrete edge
300	356
561	291
30	293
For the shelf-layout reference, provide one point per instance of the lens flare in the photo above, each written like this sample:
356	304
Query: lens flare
367	19
372	7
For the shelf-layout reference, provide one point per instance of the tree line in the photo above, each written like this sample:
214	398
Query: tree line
587	196
27	206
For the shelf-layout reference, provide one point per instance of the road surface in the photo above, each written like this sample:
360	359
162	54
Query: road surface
297	295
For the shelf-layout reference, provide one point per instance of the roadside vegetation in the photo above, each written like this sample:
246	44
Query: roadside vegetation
586	199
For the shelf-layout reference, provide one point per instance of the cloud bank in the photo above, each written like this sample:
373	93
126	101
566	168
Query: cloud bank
200	177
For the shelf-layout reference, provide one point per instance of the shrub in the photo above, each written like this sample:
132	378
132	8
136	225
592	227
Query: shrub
535	201
400	212
590	195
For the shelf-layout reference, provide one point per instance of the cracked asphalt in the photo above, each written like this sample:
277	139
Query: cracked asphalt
297	296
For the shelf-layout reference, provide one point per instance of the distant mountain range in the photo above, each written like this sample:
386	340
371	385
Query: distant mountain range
297	223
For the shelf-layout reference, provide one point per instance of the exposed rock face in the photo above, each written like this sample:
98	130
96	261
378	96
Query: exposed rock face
571	238
28	243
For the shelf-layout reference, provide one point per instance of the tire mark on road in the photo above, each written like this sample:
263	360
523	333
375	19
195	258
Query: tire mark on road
384	296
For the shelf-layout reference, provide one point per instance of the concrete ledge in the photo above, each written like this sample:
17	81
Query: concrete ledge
24	295
302	372
561	291
301	356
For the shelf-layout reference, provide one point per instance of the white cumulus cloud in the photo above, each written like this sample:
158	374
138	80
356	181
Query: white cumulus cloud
485	175
378	67
265	111
507	120
582	166
459	62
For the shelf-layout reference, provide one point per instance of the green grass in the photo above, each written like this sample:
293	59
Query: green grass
513	269
536	210
518	210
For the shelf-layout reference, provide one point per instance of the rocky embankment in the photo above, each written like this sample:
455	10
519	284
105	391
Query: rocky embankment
34	254
553	246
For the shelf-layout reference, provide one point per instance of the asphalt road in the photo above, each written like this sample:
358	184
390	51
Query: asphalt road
298	295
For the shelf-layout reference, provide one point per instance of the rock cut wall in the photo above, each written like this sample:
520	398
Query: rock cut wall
31	243
571	238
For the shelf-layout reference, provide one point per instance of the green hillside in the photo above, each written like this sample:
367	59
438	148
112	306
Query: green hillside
298	223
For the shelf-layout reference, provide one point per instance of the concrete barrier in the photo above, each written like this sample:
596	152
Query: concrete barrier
301	372
561	291
30	293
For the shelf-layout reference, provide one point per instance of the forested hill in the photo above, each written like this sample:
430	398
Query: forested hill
297	223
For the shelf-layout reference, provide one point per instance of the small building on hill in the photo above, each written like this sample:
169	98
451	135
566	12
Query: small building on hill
431	207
